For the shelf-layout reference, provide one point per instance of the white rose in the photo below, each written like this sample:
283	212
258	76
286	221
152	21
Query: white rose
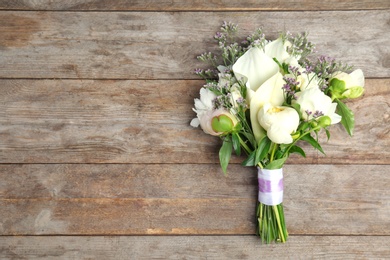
314	103
279	122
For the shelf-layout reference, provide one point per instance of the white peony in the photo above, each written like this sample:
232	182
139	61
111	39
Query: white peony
279	122
314	103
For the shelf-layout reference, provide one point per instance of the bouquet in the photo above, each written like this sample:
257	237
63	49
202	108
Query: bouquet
265	99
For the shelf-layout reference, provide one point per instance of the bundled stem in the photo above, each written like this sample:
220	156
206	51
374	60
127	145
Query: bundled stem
271	225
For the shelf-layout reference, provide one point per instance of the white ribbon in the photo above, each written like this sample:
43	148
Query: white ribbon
270	186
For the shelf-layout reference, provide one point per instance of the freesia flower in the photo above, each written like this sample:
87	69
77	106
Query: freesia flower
279	122
235	95
344	85
203	106
314	104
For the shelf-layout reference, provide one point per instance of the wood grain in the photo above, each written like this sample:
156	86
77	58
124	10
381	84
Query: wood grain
186	5
197	247
164	45
187	199
86	121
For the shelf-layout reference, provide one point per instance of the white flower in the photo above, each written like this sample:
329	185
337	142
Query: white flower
203	105
314	104
235	95
344	85
264	82
207	115
269	92
217	122
256	66
308	81
279	122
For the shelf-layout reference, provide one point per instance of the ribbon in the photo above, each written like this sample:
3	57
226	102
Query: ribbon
270	186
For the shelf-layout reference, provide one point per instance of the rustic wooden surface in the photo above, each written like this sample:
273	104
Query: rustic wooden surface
98	161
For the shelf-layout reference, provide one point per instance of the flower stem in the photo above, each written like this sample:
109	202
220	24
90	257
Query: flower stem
281	233
247	149
296	140
274	147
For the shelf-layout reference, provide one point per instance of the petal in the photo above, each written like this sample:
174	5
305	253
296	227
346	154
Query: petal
195	122
256	67
276	49
279	135
207	97
358	77
271	91
335	118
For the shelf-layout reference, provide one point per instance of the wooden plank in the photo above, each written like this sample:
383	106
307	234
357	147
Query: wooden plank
86	121
186	5
188	199
195	247
138	45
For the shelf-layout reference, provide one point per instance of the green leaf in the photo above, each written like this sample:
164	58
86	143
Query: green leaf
236	144
327	133
250	161
262	149
347	117
276	164
297	149
225	154
313	142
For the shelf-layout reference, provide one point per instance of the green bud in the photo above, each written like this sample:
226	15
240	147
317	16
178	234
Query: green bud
340	90
324	121
295	135
353	92
337	87
222	123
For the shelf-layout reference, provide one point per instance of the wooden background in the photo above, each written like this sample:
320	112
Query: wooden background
98	161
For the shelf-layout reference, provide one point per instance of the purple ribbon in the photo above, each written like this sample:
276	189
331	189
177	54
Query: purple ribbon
266	186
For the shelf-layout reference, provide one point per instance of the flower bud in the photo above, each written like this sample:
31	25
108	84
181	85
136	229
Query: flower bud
222	123
324	121
344	85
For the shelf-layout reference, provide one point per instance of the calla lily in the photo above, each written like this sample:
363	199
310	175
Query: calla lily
255	67
277	49
344	85
279	122
270	92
